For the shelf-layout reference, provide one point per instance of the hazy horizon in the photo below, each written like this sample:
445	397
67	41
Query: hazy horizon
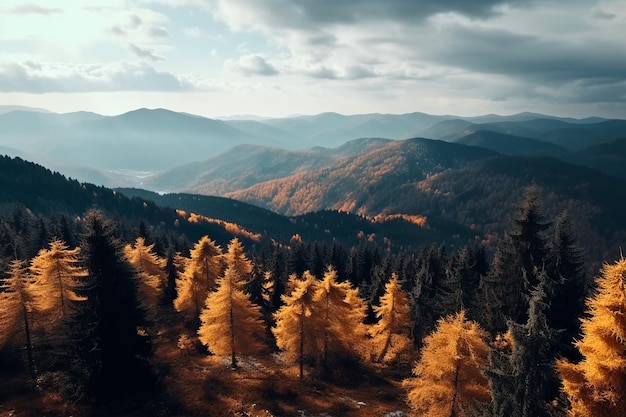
274	58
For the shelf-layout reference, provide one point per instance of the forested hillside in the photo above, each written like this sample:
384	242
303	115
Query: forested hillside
115	305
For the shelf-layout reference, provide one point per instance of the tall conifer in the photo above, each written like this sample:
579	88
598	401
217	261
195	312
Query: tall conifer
596	386
448	378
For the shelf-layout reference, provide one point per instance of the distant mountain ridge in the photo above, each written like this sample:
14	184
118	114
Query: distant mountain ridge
154	147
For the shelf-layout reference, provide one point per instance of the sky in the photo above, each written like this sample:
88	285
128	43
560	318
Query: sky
283	57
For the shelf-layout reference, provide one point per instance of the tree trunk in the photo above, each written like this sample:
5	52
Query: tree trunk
29	349
456	388
301	359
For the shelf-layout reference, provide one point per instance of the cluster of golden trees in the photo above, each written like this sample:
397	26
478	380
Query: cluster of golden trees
321	320
36	298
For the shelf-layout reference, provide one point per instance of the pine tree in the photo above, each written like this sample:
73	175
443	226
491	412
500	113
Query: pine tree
199	277
596	386
15	301
462	282
448	378
522	378
427	292
390	335
298	327
231	324
113	348
568	288
514	269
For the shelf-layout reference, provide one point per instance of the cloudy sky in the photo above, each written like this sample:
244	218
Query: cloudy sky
281	57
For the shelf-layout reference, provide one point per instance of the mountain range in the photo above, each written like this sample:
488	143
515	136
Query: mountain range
124	150
457	184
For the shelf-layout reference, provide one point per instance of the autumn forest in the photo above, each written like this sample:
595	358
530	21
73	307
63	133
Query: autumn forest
116	313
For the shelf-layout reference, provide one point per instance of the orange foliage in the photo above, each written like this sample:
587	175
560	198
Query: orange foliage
416	219
231	227
596	386
448	378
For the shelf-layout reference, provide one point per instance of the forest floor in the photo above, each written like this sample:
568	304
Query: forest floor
191	383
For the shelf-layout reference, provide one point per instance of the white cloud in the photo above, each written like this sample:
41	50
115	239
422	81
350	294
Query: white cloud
71	78
31	8
251	64
194	32
148	53
158	32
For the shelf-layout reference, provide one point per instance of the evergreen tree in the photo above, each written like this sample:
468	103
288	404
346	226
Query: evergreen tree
514	269
199	276
174	267
231	324
112	346
461	286
427	291
567	289
522	376
596	386
448	378
390	335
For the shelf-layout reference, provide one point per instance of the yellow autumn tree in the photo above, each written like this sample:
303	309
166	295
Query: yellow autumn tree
199	276
236	259
596	386
297	329
448	378
57	274
150	270
230	323
390	335
341	313
14	305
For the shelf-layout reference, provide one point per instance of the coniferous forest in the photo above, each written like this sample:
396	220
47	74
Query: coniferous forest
117	306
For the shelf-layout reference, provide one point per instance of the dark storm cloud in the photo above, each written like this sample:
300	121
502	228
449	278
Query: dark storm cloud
312	14
530	57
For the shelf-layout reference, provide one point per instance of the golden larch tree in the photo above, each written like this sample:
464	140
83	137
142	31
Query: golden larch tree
596	386
230	323
448	378
298	327
57	274
199	276
236	259
342	313
150	269
390	335
15	302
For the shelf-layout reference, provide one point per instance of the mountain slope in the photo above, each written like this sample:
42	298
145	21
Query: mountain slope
511	145
607	157
453	184
246	165
363	184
